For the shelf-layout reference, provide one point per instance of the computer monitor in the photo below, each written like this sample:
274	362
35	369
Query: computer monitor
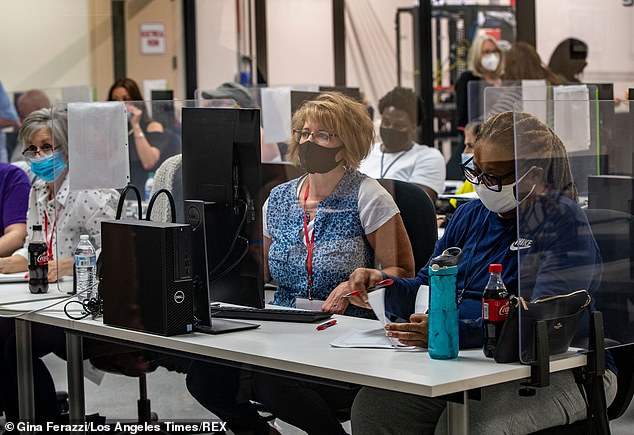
300	97
221	179
163	108
353	93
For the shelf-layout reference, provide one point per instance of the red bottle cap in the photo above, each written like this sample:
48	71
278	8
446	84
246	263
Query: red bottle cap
495	268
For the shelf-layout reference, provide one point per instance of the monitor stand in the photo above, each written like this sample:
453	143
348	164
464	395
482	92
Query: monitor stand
221	326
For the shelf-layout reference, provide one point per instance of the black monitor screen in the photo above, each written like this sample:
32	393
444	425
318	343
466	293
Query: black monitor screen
221	183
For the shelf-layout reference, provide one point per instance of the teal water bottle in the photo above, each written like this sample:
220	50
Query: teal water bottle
443	307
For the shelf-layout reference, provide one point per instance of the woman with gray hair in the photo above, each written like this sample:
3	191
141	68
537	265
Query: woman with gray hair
64	215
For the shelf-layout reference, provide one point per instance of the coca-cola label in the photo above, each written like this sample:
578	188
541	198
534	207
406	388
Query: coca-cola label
495	310
42	259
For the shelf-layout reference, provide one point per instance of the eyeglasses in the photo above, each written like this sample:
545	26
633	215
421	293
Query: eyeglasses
491	182
320	136
43	151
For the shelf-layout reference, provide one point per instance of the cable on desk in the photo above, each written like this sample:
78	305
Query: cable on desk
90	307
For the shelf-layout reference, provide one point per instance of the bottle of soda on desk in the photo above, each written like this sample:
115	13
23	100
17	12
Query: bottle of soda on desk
495	309
38	261
85	269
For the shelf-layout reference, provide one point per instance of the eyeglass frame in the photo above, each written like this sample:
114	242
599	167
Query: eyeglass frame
297	134
474	178
38	151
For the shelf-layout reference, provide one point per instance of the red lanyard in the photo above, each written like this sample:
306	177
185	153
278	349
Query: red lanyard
310	244
49	240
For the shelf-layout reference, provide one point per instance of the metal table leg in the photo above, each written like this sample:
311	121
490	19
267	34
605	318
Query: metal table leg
458	416
26	403
75	369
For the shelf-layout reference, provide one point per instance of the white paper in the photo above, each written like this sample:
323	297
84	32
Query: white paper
276	114
376	299
421	305
534	98
14	277
98	145
373	338
572	116
307	304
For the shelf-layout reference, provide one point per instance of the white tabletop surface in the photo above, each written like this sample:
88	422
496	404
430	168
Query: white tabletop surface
300	348
18	293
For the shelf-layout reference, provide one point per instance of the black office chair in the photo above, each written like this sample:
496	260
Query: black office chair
612	229
419	217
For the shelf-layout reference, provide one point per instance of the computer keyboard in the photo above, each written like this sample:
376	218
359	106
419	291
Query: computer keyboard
270	314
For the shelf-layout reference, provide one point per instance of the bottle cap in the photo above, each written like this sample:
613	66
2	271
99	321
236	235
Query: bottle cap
84	237
37	227
495	268
449	257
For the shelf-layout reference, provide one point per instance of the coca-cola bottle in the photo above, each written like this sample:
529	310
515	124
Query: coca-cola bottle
495	309
38	261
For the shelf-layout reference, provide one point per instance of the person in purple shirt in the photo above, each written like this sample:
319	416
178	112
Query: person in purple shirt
14	201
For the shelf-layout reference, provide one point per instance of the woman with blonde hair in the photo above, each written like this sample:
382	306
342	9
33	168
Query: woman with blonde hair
318	229
485	62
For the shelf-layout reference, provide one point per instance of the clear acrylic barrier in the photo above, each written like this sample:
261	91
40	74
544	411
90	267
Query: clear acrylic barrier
572	111
76	134
571	239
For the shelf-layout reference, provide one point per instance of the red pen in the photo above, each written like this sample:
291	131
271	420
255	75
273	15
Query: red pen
383	283
328	324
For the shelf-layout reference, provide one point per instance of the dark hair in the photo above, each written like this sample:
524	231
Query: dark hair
523	63
134	92
569	59
538	145
403	99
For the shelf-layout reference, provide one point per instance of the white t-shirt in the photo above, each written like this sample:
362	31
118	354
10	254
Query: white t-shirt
420	165
376	206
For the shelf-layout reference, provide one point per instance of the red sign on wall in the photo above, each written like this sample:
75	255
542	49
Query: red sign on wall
152	38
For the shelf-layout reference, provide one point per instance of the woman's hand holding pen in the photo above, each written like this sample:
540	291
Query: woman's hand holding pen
360	280
336	303
410	334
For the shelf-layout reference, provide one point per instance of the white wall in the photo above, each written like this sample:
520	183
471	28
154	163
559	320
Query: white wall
300	47
216	42
44	44
606	26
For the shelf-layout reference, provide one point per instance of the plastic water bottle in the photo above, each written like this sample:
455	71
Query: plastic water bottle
443	307
149	183
85	269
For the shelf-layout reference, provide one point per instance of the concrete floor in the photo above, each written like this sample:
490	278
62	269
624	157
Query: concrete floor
116	398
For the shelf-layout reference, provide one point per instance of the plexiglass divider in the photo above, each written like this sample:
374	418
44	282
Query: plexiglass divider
574	222
105	145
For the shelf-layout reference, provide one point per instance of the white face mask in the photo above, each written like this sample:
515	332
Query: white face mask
490	62
503	201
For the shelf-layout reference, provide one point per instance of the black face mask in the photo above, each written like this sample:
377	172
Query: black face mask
395	140
318	159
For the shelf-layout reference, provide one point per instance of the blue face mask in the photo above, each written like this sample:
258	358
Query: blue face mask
49	168
464	157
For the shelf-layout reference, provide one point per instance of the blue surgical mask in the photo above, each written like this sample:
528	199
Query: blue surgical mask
464	157
49	168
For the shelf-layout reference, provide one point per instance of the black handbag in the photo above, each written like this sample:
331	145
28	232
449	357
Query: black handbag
563	315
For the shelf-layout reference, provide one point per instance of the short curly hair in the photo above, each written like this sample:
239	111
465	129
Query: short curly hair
337	114
403	99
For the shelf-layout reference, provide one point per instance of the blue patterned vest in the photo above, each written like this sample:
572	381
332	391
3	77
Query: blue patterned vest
340	242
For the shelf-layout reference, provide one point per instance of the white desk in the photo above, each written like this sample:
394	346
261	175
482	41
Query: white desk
299	348
15	300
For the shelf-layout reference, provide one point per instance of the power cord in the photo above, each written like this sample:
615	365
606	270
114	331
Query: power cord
89	306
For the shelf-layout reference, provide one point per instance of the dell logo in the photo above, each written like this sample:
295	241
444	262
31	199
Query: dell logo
179	297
